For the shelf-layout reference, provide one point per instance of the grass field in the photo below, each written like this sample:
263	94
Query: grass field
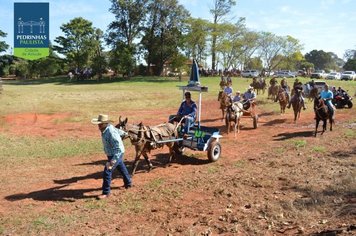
84	100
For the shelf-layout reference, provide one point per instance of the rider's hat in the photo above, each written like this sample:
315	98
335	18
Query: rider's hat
250	87
102	119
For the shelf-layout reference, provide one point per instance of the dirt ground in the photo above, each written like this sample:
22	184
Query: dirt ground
277	179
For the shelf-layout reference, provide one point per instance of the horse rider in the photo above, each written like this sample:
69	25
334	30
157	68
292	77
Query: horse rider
328	96
228	90
312	84
285	87
249	98
273	81
229	80
187	110
222	83
298	92
296	83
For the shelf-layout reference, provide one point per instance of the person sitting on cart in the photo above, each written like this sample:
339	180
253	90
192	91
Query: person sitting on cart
249	98
187	111
237	97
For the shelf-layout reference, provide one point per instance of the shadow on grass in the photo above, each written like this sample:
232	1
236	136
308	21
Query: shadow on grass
65	81
344	154
285	136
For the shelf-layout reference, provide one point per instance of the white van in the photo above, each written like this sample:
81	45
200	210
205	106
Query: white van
250	73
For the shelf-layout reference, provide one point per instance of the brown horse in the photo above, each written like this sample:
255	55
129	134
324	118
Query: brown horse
273	91
233	115
225	101
297	104
282	99
313	94
322	113
146	138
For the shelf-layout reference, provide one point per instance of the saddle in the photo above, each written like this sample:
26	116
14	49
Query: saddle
160	132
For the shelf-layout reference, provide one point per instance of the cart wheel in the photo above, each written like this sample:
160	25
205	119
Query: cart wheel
255	121
214	151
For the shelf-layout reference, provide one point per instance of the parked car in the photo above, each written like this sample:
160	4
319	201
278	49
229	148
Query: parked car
348	75
333	76
287	74
318	74
250	73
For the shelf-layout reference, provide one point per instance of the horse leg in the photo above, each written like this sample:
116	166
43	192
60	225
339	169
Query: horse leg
137	158
171	152
150	166
316	126
331	123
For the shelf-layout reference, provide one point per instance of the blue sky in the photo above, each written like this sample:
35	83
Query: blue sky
327	25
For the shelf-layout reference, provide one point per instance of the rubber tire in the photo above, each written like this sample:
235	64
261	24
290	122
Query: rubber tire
214	151
255	121
349	104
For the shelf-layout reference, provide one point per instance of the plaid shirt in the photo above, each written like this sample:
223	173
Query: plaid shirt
113	145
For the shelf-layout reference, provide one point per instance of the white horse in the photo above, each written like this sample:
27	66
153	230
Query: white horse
233	114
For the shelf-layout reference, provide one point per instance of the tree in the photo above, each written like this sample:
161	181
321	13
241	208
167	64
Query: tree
230	43
3	45
163	32
99	61
319	58
220	9
271	47
196	38
77	42
129	19
350	65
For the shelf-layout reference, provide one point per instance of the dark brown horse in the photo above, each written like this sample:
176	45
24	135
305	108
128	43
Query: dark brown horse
322	113
313	94
297	104
282	99
225	101
146	138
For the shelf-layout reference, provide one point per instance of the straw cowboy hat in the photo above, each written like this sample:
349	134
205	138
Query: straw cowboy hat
250	87
102	119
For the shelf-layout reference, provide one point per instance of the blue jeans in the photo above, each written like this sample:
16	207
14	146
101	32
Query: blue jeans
107	175
189	122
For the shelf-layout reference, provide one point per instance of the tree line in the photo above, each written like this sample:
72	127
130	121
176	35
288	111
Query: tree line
147	34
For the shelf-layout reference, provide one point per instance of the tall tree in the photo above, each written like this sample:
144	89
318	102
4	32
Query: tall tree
230	43
77	42
319	58
163	33
219	10
3	45
122	33
271	47
196	38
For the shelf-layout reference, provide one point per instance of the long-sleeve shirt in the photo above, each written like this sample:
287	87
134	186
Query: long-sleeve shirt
186	109
112	142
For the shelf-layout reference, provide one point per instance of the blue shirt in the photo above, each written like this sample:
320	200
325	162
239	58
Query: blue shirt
327	95
186	109
228	90
249	95
113	145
